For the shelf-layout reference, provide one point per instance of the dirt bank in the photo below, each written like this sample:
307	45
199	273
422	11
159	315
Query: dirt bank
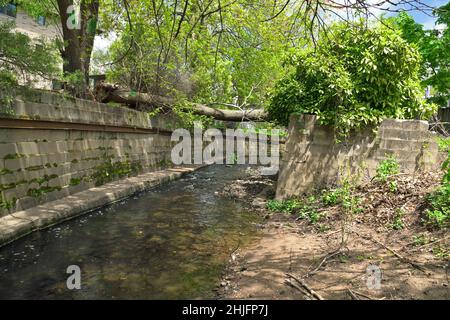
295	259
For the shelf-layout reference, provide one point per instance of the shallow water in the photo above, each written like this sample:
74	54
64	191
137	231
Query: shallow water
168	243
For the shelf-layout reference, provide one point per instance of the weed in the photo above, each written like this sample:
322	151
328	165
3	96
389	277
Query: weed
439	200
7	204
74	181
387	168
286	206
436	218
331	197
5	171
398	222
322	227
305	210
443	143
392	186
13	156
441	253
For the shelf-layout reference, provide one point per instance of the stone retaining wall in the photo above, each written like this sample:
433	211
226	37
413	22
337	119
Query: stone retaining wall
313	160
41	165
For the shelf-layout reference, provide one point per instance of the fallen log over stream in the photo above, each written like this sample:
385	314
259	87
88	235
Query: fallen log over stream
108	92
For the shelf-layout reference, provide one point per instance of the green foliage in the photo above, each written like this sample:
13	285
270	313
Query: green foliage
398	222
434	47
74	82
343	196
109	171
356	76
208	52
74	181
309	211
440	252
305	209
331	197
7	204
443	143
5	171
23	59
419	240
10	156
40	192
439	200
387	168
233	159
286	206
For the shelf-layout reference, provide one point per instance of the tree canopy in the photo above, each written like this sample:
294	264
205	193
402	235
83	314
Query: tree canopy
229	53
434	47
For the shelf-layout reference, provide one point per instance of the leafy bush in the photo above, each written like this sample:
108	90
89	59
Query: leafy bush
355	76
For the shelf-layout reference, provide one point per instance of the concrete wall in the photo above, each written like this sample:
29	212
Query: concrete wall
313	160
40	165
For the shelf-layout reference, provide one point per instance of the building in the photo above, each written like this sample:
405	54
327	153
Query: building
34	27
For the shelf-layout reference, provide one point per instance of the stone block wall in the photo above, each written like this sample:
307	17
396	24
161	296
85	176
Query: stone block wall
43	164
313	160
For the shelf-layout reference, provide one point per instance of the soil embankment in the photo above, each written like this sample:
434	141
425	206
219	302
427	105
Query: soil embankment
297	259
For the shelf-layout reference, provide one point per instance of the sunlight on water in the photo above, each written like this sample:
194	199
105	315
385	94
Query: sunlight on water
168	243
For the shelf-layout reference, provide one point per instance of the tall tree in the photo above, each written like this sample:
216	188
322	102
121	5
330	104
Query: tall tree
434	46
78	34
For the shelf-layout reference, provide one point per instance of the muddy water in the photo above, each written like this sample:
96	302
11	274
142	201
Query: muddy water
168	243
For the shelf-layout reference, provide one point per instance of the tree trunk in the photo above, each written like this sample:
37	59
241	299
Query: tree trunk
107	92
78	38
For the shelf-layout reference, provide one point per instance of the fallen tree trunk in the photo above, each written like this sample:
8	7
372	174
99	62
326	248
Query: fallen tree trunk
107	92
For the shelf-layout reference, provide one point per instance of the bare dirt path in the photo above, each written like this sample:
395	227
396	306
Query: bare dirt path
290	248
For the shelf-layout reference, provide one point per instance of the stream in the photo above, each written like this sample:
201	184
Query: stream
171	242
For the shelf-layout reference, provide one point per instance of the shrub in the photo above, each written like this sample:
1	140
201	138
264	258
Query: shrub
355	76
